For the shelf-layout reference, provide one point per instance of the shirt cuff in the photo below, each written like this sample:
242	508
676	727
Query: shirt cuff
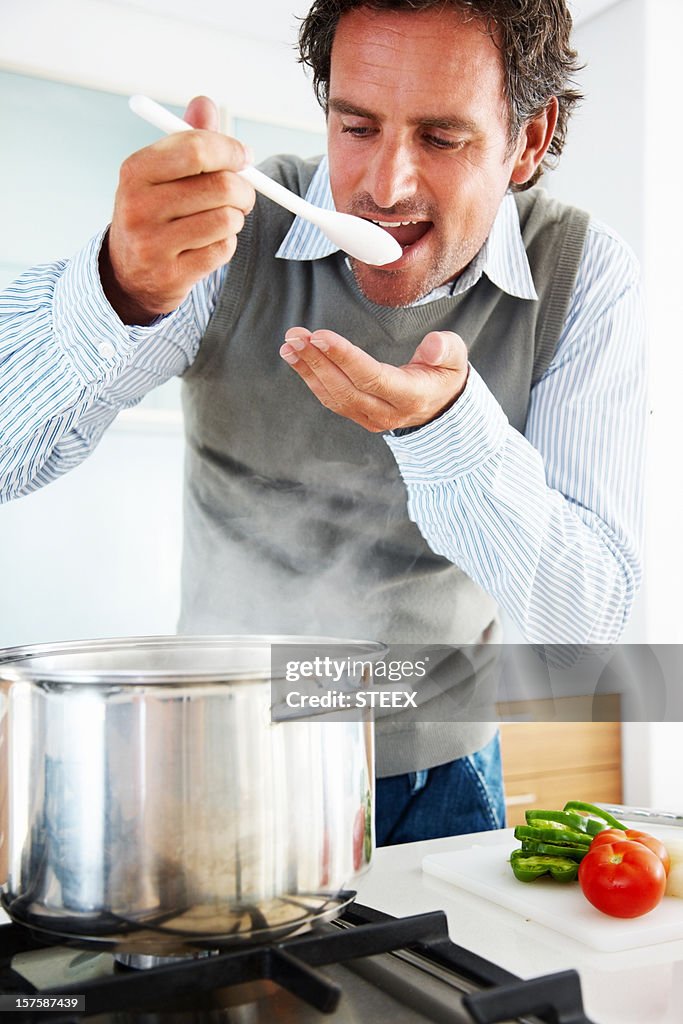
459	441
86	327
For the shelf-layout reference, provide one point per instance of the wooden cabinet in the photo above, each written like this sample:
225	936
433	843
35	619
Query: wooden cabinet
547	763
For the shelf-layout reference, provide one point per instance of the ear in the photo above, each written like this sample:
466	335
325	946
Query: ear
535	137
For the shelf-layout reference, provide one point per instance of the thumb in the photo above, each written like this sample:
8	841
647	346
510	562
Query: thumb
202	113
442	348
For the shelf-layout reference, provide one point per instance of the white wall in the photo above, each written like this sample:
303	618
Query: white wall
652	755
98	552
602	170
104	545
121	49
662	143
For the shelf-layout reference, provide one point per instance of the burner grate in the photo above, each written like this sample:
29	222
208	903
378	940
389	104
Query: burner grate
359	932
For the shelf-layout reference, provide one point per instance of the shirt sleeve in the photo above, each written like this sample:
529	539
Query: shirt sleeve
550	523
68	364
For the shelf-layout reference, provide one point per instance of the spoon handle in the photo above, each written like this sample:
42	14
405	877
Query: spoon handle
153	112
168	122
280	195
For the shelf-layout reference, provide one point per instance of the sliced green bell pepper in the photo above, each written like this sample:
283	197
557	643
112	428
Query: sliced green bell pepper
532	846
545	831
596	812
527	868
568	819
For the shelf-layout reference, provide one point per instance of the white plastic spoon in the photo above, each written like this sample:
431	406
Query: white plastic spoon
358	237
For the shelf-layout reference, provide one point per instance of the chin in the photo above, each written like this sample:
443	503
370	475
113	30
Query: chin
387	287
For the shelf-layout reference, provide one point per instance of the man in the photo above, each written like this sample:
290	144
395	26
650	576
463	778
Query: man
508	468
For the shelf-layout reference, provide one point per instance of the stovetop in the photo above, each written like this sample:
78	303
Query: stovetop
365	967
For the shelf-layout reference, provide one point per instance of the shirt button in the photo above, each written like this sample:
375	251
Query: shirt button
106	349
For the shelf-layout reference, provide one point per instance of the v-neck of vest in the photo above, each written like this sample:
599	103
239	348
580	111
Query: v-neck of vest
403	319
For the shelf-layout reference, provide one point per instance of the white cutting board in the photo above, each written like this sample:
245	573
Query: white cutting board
485	871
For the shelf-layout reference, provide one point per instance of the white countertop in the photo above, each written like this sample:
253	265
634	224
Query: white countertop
638	986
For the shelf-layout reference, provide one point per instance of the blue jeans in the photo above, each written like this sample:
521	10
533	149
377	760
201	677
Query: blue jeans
462	796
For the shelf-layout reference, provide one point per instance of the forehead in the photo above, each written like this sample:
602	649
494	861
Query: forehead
434	59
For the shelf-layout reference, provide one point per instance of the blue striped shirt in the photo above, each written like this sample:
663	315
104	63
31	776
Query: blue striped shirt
550	523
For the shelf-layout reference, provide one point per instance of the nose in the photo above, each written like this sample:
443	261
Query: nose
392	174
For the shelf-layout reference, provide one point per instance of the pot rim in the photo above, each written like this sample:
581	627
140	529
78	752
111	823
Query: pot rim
38	663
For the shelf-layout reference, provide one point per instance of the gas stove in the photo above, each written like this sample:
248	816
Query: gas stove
365	966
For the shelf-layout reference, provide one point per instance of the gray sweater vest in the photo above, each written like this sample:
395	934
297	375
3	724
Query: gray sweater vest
295	519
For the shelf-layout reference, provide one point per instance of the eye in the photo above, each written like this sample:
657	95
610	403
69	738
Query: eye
439	142
359	131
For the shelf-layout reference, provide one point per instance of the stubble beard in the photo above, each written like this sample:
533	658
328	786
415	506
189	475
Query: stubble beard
395	288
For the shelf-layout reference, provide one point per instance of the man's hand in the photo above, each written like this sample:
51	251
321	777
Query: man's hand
379	396
179	208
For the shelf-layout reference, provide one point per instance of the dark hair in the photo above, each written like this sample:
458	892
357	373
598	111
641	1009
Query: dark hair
533	37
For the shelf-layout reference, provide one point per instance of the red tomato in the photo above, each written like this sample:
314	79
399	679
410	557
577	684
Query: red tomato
623	879
325	861
615	835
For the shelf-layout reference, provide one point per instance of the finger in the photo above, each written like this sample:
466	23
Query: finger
203	192
183	155
169	218
441	359
391	389
202	112
203	229
295	340
296	334
362	369
341	398
403	392
197	263
332	387
441	348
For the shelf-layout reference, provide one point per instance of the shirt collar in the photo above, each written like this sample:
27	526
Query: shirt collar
502	257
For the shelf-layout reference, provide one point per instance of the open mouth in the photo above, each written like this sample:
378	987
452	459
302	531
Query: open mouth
406	232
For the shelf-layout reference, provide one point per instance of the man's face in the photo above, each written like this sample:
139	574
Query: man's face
417	131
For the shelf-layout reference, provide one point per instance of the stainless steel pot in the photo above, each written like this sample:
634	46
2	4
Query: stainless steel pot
152	804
